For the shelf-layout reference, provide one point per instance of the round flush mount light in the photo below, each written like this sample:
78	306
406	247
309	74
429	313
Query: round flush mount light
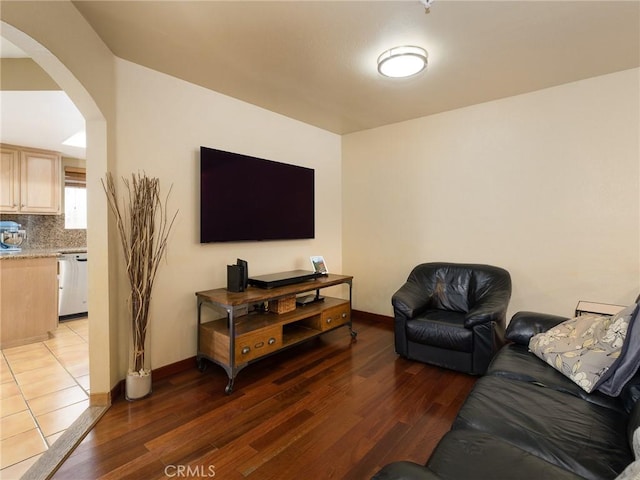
401	62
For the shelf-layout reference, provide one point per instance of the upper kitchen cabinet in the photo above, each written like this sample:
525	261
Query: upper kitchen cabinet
31	181
9	180
40	187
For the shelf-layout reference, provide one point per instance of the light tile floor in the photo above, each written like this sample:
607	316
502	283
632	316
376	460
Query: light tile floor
44	387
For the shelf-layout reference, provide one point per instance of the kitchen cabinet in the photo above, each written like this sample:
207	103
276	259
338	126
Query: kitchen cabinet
28	299
31	181
9	180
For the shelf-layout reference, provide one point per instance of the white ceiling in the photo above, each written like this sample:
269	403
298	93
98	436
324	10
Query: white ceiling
41	119
315	61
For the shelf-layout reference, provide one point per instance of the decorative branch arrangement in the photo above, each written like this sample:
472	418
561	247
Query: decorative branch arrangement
144	227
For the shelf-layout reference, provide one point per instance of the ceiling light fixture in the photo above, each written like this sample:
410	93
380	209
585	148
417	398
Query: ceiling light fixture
427	5
401	62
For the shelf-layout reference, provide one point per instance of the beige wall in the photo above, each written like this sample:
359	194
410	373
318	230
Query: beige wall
162	122
24	74
158	124
544	184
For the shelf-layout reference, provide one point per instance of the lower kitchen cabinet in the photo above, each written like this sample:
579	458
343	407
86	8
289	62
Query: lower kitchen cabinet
28	299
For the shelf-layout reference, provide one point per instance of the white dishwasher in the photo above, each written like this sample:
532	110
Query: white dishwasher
73	284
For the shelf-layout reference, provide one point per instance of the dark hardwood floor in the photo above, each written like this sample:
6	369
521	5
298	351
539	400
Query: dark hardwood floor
325	409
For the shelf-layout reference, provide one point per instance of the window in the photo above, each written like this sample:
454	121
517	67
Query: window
75	198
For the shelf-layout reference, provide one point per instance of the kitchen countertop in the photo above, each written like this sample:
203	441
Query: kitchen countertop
39	253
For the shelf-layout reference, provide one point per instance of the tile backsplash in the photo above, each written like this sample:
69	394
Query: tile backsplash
47	231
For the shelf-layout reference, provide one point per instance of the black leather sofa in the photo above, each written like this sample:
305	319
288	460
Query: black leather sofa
452	315
525	420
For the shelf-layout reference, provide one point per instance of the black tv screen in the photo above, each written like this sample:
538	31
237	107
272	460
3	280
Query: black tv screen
245	198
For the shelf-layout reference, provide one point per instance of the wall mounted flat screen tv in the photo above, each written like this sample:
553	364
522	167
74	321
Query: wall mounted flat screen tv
244	198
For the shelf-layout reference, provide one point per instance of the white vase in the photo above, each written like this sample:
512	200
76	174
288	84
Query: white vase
138	385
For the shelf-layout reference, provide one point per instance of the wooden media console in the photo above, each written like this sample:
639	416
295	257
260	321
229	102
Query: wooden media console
247	331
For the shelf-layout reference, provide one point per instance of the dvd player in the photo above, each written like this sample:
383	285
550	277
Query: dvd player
281	279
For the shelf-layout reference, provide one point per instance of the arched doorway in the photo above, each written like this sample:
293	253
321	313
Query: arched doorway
97	241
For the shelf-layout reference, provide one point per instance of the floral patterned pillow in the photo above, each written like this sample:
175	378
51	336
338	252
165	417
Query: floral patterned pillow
582	348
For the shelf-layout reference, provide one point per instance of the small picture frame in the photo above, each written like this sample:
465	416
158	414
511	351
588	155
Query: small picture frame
319	265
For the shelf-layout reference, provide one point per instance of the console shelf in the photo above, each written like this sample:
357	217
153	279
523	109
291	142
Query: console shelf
245	332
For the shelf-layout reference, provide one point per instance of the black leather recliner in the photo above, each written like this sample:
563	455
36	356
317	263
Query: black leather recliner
452	315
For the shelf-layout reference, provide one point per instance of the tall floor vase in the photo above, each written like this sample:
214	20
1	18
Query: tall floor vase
138	383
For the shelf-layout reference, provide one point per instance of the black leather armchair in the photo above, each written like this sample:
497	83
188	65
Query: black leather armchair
452	315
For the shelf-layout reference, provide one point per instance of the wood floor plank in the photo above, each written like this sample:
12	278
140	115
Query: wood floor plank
329	408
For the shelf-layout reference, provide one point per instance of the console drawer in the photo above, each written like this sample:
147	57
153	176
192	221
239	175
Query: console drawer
335	316
258	343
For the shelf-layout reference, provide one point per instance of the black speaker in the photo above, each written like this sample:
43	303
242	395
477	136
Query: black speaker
235	278
245	272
